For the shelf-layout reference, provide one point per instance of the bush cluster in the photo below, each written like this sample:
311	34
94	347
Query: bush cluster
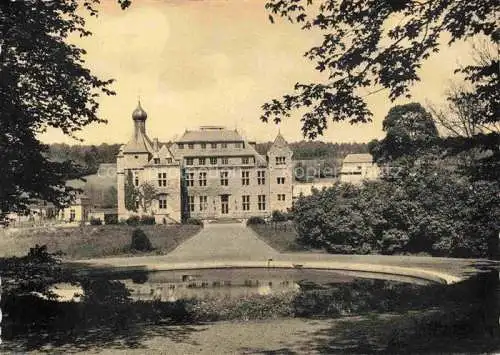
427	211
140	241
95	222
255	220
143	220
193	221
111	219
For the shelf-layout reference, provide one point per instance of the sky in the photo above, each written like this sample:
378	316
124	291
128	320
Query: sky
215	62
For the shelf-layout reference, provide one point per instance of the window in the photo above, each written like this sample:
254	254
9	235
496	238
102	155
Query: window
189	161
201	161
162	179
281	197
280	180
191	203
213	161
180	145
203	145
245	199
162	203
280	160
261	202
72	215
224	181
136	181
261	177
244	160
190	179
169	160
225	161
237	145
191	146
203	203
224	145
136	157
156	160
245	178
214	145
202	179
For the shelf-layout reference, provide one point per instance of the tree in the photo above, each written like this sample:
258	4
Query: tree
459	117
131	195
43	83
147	193
380	45
110	197
410	133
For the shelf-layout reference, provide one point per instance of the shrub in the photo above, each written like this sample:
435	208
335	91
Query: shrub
194	221
95	222
278	216
255	220
133	221
147	220
140	241
111	219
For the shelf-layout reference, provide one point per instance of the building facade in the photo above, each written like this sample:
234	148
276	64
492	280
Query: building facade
359	167
209	173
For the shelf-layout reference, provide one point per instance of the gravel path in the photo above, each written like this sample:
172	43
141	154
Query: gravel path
232	240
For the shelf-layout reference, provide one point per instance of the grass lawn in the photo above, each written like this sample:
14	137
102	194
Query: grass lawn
281	237
93	241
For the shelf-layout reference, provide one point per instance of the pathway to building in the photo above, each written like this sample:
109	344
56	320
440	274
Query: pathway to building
224	245
222	241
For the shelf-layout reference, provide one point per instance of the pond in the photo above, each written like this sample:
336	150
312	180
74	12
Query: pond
226	282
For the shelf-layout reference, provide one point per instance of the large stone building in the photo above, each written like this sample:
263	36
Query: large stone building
209	173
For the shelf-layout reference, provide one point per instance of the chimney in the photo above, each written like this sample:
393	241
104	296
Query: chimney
156	145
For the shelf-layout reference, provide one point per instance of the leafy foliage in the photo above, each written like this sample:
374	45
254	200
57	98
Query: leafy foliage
379	44
131	194
95	222
147	220
410	133
43	83
194	221
35	272
133	220
255	220
428	210
140	241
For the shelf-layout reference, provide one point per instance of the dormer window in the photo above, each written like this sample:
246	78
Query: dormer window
280	160
156	160
169	160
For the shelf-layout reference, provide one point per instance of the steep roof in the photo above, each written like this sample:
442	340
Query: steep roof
279	141
279	144
358	158
211	134
139	144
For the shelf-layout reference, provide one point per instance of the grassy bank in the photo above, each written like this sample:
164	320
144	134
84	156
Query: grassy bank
281	237
93	241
